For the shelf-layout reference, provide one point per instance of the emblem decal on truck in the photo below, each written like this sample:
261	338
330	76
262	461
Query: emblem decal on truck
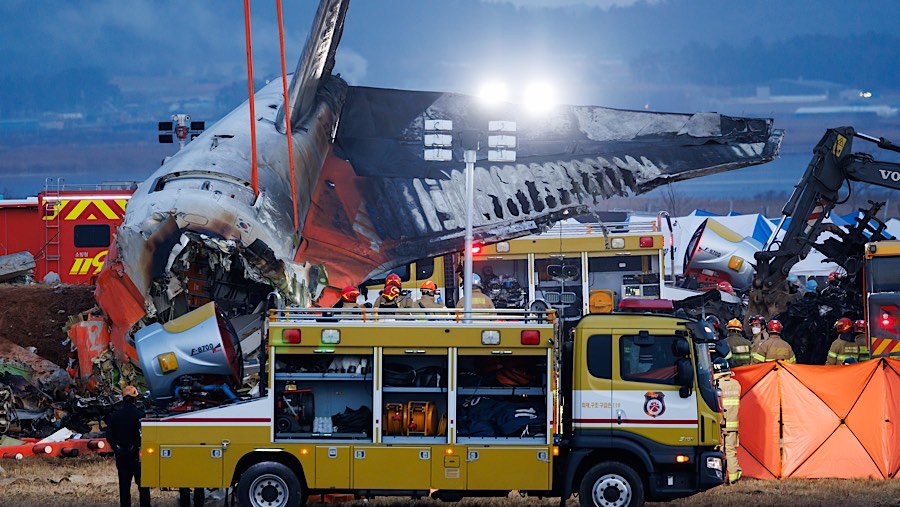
654	406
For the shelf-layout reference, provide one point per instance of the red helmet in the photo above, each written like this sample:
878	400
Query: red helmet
843	324
774	326
392	279
391	292
758	319
725	287
349	294
859	326
834	276
428	286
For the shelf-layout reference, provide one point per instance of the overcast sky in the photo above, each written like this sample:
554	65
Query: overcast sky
443	45
175	50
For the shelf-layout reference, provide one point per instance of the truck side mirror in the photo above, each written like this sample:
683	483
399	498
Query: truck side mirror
684	376
681	347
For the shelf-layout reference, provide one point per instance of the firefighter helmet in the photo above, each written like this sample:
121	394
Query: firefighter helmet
859	326
726	287
428	287
834	277
774	326
349	294
393	279
130	392
476	280
735	325
714	322
758	319
720	366
391	292
843	324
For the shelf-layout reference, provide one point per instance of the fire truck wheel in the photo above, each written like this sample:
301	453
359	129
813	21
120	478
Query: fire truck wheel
611	484
269	484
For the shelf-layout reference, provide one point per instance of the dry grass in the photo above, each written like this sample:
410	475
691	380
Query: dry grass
86	481
90	481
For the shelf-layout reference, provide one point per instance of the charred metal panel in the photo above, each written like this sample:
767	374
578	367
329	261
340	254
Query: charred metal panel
567	161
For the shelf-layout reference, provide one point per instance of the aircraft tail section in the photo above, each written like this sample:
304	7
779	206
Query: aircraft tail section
316	61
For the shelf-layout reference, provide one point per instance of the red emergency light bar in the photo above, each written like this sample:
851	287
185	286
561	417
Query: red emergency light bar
646	305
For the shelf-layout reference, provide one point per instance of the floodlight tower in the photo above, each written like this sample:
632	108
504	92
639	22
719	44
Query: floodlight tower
438	141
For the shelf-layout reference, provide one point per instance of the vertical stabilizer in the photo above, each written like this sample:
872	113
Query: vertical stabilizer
316	61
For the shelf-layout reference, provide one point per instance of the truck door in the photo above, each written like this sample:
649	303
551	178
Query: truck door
645	395
591	374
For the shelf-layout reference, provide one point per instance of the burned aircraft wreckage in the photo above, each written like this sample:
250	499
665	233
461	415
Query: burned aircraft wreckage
200	230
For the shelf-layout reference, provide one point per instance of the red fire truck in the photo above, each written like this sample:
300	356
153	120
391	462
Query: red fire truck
68	230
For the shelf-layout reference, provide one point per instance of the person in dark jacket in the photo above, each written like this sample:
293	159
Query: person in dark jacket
124	435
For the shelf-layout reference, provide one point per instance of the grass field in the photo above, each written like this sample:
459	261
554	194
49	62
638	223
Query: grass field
90	481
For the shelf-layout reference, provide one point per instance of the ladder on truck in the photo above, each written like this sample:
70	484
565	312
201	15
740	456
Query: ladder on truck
51	207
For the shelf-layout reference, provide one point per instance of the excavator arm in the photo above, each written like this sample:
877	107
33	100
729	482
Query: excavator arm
833	164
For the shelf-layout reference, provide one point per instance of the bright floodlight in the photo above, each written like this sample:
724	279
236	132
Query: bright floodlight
494	93
539	97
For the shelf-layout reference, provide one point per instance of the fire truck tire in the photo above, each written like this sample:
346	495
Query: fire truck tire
270	484
611	484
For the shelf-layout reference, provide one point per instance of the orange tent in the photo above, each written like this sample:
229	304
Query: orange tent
819	421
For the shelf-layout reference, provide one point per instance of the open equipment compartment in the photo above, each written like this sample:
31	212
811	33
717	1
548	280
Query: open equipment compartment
323	396
414	394
502	396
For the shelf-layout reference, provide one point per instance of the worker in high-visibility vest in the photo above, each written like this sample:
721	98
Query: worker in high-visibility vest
773	348
740	346
731	399
844	346
758	331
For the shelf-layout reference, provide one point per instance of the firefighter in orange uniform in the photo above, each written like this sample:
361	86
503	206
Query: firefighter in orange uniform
862	340
731	399
844	346
773	348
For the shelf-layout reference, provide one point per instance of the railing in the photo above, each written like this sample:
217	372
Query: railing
599	228
106	185
410	315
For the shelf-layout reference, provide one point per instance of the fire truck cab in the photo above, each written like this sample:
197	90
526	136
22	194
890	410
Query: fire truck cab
409	403
68	230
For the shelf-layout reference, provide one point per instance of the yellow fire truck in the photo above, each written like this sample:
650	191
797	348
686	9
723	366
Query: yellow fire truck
408	403
576	268
881	293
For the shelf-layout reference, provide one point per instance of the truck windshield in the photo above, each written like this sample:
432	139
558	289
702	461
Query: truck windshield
884	274
704	365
